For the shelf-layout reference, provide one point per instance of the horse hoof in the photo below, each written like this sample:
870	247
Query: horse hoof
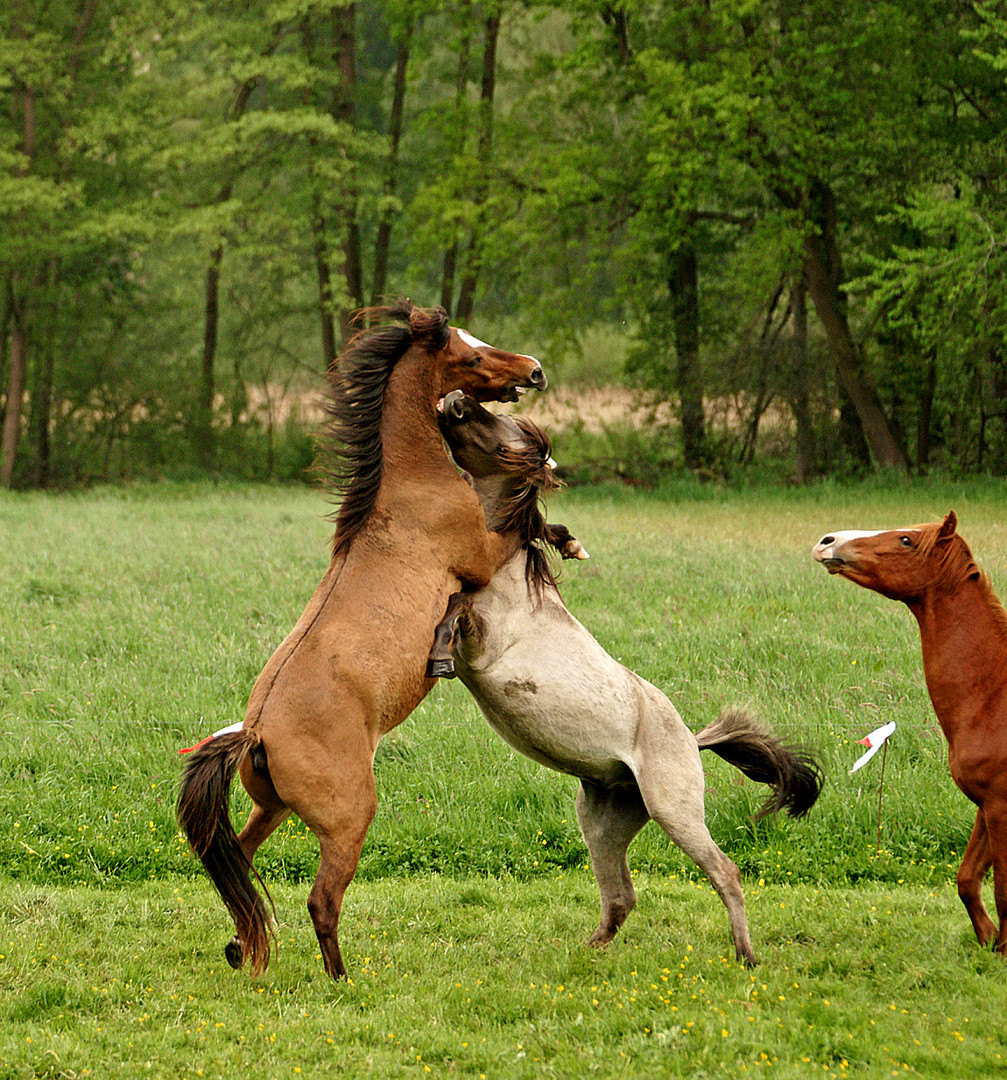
441	669
232	952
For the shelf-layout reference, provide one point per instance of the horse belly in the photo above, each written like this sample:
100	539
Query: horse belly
578	722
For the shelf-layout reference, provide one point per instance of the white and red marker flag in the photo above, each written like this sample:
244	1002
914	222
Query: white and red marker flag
873	742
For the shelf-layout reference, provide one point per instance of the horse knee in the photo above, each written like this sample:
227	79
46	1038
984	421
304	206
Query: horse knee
969	885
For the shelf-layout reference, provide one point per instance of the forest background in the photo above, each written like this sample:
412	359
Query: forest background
780	224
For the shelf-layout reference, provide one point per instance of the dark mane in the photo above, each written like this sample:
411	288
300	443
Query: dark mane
352	457
523	512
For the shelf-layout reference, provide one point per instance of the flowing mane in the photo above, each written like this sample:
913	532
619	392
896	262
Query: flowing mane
954	565
522	513
352	450
953	561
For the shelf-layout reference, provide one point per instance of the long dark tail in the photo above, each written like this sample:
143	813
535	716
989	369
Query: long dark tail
792	773
203	814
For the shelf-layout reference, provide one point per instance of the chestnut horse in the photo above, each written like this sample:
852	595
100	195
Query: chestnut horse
963	630
409	531
554	694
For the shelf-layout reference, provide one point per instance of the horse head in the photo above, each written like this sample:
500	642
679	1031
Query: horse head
487	445
487	373
900	564
510	462
461	361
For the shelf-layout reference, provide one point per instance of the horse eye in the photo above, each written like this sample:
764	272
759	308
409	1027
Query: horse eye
905	541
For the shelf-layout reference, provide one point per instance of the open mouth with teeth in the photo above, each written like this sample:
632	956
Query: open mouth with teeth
514	393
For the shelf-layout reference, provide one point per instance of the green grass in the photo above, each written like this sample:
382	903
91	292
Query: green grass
134	621
480	977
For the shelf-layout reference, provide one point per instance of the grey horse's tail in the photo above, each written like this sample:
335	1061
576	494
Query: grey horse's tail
792	773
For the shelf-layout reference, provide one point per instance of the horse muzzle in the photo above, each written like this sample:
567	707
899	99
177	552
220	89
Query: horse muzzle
535	380
825	553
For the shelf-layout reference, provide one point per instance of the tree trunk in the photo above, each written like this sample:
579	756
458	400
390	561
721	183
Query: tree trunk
207	380
17	370
344	110
382	244
325	298
41	397
448	276
211	311
450	265
467	292
823	274
16	375
804	461
683	285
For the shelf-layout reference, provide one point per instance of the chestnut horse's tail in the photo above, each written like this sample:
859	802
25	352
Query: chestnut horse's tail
203	814
792	773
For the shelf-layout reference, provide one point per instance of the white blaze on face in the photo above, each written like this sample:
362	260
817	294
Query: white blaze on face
474	342
825	547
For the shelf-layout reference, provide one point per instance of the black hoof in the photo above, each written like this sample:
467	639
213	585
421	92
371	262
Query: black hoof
441	669
232	951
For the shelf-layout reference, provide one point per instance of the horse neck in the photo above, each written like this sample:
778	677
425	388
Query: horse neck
494	493
963	632
411	443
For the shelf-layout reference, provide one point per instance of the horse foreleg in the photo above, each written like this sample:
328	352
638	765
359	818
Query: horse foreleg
609	819
977	860
560	537
440	663
995	813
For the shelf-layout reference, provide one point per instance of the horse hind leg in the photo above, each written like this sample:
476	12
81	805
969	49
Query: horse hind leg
696	841
341	825
609	819
336	868
977	859
671	783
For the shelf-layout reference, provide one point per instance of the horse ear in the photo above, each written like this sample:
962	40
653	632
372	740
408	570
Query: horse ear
948	526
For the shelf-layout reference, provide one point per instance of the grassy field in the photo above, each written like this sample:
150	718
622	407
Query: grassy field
133	622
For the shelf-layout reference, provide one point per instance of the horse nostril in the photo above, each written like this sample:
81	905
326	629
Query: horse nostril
538	379
827	540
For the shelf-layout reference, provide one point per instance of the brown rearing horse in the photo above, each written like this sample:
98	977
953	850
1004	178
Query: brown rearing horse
963	631
409	531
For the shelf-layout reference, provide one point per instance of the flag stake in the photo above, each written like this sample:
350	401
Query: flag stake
881	789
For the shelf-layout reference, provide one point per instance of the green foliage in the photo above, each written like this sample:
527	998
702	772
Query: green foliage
157	158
